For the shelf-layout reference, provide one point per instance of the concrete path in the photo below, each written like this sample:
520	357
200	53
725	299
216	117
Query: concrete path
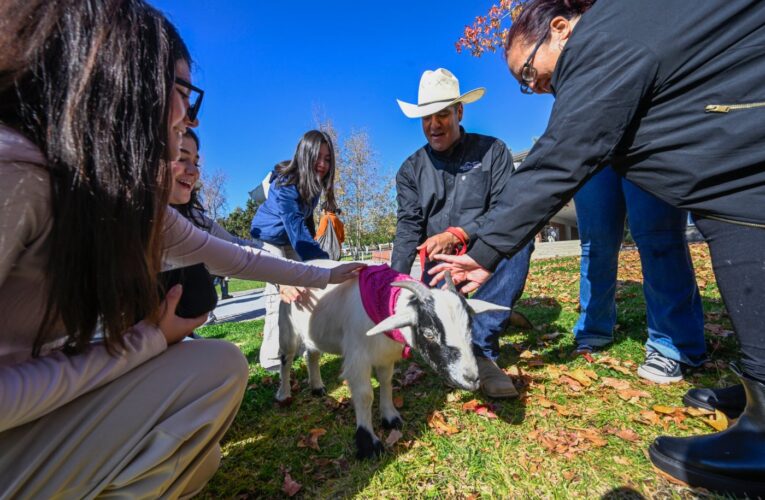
252	305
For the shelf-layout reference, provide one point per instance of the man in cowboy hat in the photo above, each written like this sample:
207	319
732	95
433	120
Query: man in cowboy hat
443	191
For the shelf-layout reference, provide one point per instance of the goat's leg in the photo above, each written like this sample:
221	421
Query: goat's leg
391	419
288	343
367	443
314	374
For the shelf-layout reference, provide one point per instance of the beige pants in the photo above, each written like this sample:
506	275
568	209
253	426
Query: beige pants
152	433
269	351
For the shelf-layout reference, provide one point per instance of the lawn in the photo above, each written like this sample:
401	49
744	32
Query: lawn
580	429
237	285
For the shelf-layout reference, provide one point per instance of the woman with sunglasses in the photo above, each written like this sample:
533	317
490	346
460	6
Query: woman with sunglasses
670	94
99	397
674	312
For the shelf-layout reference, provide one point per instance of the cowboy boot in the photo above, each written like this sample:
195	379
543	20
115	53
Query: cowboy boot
729	400
731	461
494	382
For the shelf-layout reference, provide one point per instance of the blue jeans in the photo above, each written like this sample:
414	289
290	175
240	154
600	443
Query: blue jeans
674	312
504	288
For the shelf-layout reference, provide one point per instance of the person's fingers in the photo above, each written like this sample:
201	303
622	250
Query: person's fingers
192	323
437	278
451	259
438	268
172	298
471	286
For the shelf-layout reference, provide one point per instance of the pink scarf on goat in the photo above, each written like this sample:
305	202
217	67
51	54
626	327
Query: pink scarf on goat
379	298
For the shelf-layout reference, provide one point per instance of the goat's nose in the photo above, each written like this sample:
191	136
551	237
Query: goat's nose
472	380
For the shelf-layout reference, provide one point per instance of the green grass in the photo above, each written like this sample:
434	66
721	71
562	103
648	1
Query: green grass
237	285
533	449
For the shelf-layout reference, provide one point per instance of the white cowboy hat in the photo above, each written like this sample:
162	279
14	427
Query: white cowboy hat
439	89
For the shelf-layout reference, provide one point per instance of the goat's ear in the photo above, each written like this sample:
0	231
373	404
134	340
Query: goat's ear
481	306
393	322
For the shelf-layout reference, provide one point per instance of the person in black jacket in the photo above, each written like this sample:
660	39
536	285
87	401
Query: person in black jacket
671	93
444	191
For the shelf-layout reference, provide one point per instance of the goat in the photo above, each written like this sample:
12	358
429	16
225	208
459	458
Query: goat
436	323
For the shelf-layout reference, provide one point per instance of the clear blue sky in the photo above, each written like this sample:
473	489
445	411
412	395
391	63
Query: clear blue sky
265	67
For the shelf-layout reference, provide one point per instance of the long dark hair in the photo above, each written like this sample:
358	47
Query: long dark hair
533	22
300	170
193	209
93	94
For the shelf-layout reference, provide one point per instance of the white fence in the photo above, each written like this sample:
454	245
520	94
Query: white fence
363	252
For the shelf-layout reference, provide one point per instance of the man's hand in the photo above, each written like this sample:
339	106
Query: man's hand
442	243
463	269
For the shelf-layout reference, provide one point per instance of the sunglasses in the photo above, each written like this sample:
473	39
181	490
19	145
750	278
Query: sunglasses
194	96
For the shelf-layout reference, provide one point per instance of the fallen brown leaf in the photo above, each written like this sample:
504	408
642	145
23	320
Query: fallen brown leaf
393	437
398	401
718	422
413	374
312	439
632	395
290	486
572	384
616	383
628	435
438	423
485	410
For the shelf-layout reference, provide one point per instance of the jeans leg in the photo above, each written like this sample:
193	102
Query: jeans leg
673	304
738	259
504	288
600	215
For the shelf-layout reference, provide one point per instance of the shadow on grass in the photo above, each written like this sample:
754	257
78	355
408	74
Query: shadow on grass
266	439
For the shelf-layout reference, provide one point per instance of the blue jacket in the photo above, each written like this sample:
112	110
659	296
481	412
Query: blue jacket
283	219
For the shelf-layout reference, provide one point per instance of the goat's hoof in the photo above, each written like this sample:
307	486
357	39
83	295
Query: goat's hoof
394	423
367	444
319	392
283	403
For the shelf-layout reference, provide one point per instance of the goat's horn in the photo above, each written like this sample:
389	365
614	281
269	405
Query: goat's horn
418	289
449	282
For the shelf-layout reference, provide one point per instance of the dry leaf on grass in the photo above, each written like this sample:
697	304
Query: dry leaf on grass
485	410
666	410
312	439
615	383
718	422
622	461
413	374
627	435
438	423
584	377
632	395
398	401
393	437
572	384
290	486
698	412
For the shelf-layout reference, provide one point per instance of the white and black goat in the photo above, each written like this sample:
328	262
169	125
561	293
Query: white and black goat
436	323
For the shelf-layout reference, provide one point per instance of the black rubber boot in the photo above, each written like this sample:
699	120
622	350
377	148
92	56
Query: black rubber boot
731	461
729	400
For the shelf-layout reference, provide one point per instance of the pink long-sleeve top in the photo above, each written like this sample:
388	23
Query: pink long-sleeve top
32	387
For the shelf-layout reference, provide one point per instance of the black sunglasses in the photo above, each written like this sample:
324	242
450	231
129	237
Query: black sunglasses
529	72
195	97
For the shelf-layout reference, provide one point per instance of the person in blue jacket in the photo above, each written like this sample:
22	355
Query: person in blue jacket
284	222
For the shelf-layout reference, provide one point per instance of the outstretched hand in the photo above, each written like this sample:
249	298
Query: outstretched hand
173	327
442	243
464	270
344	272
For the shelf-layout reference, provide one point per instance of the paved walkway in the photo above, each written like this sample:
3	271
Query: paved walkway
252	305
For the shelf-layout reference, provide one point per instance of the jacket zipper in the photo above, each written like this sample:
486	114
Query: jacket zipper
725	108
